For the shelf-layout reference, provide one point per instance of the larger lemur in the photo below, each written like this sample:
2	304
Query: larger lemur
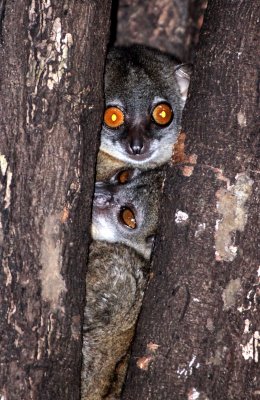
145	92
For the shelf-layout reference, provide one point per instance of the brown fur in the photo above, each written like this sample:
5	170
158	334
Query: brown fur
107	166
116	280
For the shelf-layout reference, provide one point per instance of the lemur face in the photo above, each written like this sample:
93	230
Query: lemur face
125	209
145	92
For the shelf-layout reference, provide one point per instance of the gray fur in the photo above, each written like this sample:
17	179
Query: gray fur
136	79
141	194
116	280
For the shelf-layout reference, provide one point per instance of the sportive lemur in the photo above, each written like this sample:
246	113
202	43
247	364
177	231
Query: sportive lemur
124	220
127	212
145	92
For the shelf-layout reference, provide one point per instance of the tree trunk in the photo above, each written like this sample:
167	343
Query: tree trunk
169	25
198	333
52	58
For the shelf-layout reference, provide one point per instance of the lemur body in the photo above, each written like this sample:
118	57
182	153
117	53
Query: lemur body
116	281
123	226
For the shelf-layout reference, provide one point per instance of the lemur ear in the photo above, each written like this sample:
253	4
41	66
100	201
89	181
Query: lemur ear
183	73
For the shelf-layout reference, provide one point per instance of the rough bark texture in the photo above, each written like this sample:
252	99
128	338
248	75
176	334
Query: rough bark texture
52	57
198	333
169	25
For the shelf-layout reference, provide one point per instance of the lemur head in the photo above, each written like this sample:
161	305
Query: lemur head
125	209
145	92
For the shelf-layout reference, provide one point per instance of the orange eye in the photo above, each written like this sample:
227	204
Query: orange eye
113	117
123	177
128	218
162	114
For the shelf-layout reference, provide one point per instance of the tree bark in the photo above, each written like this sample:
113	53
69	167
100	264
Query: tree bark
52	58
198	332
169	25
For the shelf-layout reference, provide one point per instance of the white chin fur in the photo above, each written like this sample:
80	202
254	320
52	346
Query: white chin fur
102	231
158	157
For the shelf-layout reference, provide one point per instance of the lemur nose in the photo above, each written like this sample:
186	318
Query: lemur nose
136	146
102	196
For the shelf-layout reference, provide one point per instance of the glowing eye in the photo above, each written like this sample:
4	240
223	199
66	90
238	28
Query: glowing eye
162	114
113	117
123	177
128	218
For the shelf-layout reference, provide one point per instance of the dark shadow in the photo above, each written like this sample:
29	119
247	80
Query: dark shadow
113	29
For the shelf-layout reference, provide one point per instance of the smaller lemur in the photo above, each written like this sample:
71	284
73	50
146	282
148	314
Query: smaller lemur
125	214
145	92
128	212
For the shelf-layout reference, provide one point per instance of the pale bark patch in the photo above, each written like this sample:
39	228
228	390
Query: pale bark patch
233	209
53	285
